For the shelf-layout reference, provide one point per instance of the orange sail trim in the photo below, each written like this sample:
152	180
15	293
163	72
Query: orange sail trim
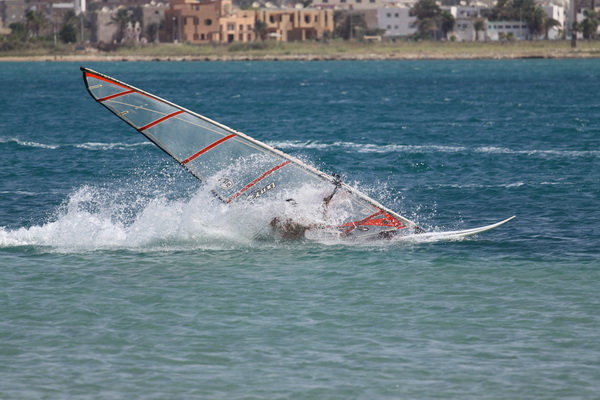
158	121
207	148
380	218
254	182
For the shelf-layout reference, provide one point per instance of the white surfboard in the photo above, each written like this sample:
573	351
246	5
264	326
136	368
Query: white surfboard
453	235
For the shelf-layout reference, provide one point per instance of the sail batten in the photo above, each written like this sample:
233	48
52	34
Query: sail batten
233	164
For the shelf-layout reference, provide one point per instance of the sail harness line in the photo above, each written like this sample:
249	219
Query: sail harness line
251	141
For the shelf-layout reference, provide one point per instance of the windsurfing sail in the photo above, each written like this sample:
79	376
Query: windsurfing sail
237	167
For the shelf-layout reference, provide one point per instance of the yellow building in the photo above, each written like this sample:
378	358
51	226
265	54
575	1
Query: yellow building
219	22
238	26
195	22
290	25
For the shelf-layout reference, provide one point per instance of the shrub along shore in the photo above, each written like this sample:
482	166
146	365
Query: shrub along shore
333	50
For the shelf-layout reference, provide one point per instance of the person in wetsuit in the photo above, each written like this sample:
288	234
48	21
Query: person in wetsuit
288	228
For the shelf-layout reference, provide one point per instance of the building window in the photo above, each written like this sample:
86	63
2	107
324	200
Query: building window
241	28
231	27
307	19
208	22
389	15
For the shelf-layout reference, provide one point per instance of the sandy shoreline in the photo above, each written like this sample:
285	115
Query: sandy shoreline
298	57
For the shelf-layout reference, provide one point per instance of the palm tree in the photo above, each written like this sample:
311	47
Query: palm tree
447	22
431	19
550	23
260	29
589	26
536	19
36	21
121	20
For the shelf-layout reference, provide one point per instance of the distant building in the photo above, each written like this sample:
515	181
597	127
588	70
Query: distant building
396	21
195	22
497	30
103	29
219	22
294	24
12	11
238	26
360	4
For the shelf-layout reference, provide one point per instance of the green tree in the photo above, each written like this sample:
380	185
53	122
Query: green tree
447	22
68	34
589	25
260	29
121	19
35	22
432	22
152	31
349	24
478	26
550	23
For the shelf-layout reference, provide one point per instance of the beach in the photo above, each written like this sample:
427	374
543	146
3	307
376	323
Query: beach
315	51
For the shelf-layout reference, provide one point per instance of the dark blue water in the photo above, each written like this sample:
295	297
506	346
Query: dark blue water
120	280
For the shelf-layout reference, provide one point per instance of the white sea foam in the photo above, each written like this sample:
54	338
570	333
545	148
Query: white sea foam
143	219
400	148
26	143
111	146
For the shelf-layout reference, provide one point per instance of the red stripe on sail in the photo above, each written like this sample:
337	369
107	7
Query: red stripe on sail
254	182
207	148
116	95
90	75
158	121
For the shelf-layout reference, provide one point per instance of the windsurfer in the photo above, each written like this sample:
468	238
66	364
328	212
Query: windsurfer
289	228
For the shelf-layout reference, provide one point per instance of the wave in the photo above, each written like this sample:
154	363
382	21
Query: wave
411	149
94	146
24	143
110	146
343	145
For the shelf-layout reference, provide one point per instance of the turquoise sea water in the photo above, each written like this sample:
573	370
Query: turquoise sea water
118	280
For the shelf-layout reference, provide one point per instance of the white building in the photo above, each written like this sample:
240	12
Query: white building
396	21
360	4
496	30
